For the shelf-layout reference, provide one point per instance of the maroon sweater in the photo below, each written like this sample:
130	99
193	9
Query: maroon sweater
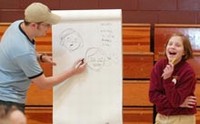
168	96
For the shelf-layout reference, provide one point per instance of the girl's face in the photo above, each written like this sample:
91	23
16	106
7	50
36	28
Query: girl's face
175	49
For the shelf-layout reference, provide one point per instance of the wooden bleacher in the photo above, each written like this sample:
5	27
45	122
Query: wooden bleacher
138	61
136	51
136	37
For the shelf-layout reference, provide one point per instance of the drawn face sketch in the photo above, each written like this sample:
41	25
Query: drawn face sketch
95	58
71	39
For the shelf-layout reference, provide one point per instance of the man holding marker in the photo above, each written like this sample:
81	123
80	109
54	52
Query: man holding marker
19	62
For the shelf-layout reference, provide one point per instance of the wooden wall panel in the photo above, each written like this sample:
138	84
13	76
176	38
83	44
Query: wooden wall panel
137	65
198	116
37	96
195	63
197	93
39	115
3	27
161	5
113	4
134	11
136	37
135	93
133	115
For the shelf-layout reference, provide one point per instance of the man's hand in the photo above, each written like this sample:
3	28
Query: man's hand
47	59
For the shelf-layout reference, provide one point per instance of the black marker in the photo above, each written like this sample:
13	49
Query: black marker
82	61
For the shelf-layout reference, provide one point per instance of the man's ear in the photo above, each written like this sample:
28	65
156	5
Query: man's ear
34	25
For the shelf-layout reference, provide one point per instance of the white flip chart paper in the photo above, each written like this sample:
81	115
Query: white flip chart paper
94	96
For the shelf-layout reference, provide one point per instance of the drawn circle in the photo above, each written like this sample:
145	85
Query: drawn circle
70	39
95	58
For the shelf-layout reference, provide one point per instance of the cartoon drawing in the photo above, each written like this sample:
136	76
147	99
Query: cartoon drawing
95	58
71	39
96	37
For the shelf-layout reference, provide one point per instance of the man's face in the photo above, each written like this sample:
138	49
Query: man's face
42	29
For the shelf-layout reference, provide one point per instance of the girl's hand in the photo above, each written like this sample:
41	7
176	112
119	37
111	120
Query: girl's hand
168	70
189	102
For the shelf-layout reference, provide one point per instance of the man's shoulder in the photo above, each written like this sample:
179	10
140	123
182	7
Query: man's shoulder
17	22
14	26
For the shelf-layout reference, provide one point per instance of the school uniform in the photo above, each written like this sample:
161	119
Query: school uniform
169	94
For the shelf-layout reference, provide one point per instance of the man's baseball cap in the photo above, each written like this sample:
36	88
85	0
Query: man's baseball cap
38	12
